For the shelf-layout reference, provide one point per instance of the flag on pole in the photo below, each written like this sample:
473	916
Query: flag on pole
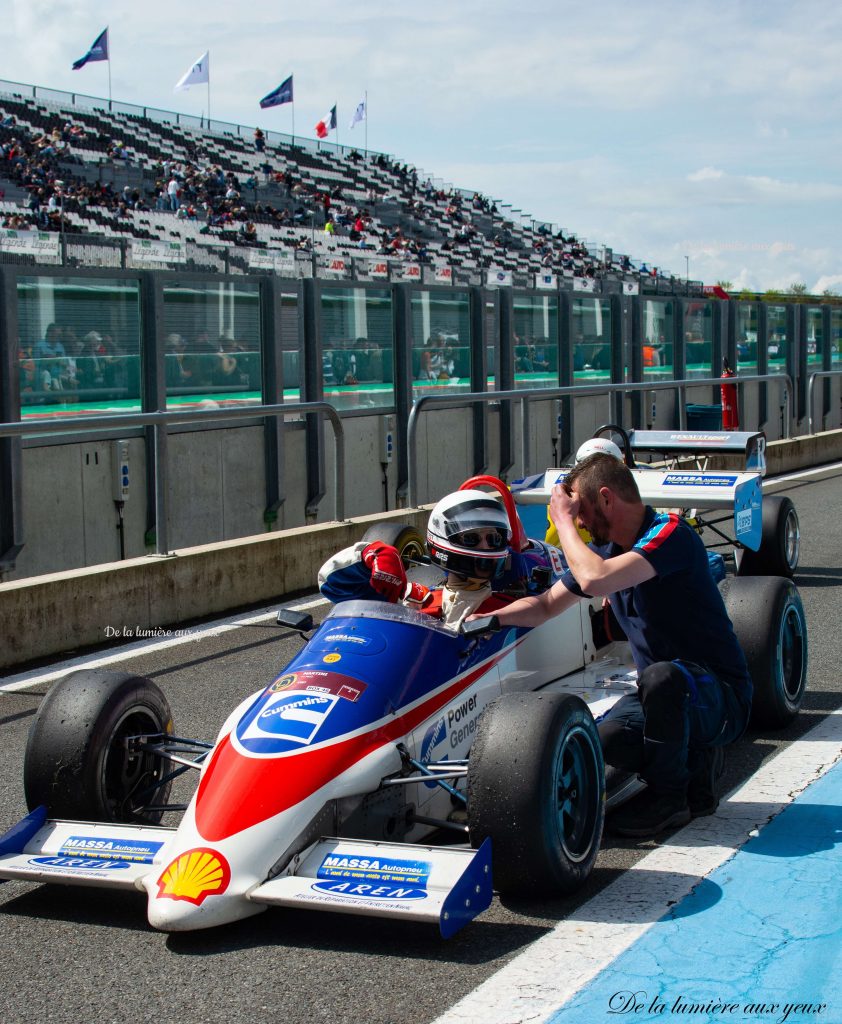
199	73
283	94
98	51
359	114
327	124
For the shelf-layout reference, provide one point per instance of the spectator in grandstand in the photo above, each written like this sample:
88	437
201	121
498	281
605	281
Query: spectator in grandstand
259	140
50	346
172	193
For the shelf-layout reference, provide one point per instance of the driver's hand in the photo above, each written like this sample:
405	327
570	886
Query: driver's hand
388	576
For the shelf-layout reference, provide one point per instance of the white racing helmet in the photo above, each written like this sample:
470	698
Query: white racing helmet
601	445
468	533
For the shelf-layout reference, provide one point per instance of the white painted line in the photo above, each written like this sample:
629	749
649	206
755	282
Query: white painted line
552	970
800	474
159	640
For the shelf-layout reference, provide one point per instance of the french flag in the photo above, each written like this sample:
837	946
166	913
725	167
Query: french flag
327	124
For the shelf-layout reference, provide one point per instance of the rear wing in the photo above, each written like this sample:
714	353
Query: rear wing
683	489
698	443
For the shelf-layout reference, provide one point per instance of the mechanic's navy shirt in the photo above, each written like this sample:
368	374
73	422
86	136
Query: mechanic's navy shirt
679	614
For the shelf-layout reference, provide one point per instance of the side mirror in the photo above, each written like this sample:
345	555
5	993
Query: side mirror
480	627
300	621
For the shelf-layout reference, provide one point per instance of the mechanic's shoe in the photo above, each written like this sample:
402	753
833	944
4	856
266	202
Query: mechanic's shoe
649	813
704	785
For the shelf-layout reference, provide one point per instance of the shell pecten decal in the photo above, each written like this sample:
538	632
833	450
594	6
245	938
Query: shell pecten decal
193	875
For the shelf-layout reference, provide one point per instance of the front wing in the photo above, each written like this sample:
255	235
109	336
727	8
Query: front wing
448	886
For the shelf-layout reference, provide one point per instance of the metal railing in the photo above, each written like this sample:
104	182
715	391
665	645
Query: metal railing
810	393
161	421
526	396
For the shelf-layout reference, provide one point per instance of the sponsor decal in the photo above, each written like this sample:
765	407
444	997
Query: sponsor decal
317	680
555	560
698	438
195	875
136	850
744	518
331	658
366	891
293	717
432	737
698	480
80	863
389	870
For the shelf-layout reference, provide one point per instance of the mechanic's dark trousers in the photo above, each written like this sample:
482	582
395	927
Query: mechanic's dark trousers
678	710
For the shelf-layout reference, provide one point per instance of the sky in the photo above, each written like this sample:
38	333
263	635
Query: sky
702	138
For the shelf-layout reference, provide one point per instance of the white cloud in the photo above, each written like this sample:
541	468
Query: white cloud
712	132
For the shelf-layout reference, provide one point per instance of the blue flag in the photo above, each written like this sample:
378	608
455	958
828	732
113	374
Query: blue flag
99	51
283	94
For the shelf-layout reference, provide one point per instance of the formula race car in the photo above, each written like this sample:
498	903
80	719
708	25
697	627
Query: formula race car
766	535
331	788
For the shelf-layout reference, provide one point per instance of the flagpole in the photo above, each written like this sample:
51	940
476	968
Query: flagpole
109	74
338	143
366	121
292	105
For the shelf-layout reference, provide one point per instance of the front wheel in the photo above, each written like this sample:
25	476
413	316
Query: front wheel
768	618
536	787
84	759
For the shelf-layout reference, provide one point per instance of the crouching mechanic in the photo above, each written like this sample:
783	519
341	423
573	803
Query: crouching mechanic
694	689
468	536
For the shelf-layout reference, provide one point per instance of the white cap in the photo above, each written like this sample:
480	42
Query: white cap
598	444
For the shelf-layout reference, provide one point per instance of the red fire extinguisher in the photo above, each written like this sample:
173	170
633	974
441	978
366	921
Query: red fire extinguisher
728	394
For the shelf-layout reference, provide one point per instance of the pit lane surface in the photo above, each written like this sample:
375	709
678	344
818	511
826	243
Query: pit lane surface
75	953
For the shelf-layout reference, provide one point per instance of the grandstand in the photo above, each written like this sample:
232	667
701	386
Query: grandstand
85	167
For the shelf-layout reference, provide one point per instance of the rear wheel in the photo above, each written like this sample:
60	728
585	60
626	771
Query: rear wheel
83	757
780	543
536	788
769	621
409	542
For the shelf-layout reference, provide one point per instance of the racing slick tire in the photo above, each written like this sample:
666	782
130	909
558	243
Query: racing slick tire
409	542
769	621
780	542
77	760
536	787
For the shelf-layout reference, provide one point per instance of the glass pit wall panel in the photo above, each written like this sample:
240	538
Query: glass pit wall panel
78	345
591	340
440	343
814	339
212	349
747	338
777	339
698	340
535	341
836	338
657	339
357	337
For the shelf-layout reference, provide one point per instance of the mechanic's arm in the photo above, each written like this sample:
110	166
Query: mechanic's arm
597	576
535	609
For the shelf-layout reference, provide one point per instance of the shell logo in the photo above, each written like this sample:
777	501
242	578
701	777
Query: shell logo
194	875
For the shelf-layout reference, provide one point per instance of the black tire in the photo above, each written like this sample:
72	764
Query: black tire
769	621
780	541
536	787
410	542
77	762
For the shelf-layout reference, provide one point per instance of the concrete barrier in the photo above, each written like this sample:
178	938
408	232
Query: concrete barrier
62	612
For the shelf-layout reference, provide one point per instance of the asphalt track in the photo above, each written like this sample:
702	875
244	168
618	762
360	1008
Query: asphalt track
72	954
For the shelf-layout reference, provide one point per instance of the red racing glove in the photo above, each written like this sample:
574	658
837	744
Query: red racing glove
387	572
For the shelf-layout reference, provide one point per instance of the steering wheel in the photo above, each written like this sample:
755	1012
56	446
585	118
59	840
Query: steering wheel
614	428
